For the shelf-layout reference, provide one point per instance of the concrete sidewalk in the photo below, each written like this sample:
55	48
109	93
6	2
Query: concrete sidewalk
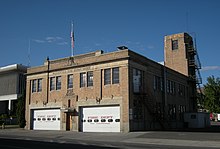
187	139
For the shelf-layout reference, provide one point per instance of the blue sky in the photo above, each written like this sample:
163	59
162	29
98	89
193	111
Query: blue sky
106	24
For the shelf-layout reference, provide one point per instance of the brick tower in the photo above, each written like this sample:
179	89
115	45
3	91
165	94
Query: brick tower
181	55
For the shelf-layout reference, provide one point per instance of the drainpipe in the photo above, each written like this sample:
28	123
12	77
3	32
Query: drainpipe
48	69
101	85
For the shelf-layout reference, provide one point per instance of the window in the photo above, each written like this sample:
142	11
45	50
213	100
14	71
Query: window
171	87
58	83
168	86
158	83
83	79
52	83
137	109
172	112
107	76
115	75
182	109
90	78
69	81
39	85
34	86
181	90
174	44
158	109
137	79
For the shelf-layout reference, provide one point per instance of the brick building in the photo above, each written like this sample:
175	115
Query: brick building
120	91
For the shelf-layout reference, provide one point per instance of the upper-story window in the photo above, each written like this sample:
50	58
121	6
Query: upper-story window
58	83
86	79
69	81
137	79
89	78
174	44
107	76
34	86
52	83
39	85
158	83
171	87
115	75
83	79
181	90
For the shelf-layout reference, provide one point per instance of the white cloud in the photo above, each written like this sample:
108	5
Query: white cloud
62	43
150	47
39	41
208	68
50	39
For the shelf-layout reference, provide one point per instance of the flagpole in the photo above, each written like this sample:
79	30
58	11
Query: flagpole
72	39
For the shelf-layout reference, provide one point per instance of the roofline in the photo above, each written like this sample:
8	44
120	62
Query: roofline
13	67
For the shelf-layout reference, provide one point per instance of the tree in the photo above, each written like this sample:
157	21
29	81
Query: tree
20	111
212	94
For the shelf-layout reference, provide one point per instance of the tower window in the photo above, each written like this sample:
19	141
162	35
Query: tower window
174	44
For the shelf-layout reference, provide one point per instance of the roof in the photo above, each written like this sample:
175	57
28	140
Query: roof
13	67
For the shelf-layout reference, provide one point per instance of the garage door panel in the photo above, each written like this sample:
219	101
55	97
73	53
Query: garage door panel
46	119
100	119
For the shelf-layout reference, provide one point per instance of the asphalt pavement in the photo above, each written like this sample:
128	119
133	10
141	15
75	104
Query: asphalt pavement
163	138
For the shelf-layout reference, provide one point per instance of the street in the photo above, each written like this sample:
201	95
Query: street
29	139
29	144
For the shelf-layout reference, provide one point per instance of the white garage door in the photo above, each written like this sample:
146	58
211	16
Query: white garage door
100	119
46	119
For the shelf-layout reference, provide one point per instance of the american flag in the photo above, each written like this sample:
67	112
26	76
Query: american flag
72	36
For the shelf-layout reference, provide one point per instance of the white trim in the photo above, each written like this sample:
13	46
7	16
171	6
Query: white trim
9	97
13	66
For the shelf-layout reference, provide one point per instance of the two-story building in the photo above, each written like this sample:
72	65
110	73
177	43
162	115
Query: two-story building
12	85
120	91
